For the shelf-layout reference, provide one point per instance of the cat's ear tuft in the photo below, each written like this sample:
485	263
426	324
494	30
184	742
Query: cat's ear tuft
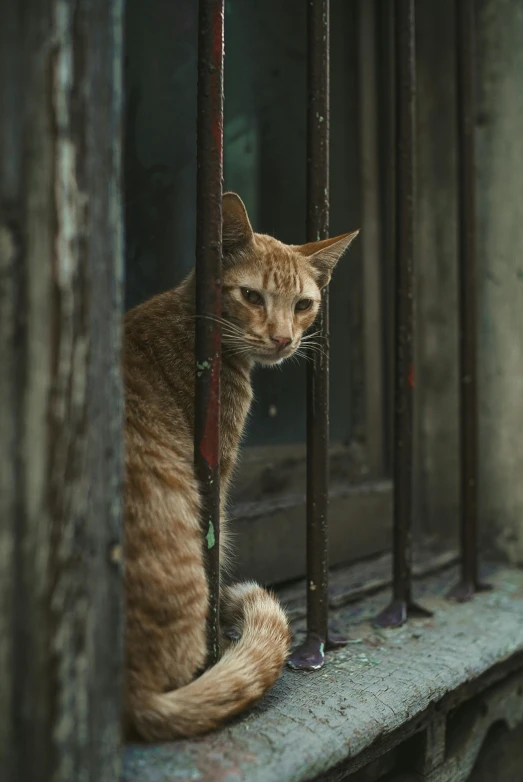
236	228
324	255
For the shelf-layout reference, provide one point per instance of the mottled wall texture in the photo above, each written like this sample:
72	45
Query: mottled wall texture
500	200
499	124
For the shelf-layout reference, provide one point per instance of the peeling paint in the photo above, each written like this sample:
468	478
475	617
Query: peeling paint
201	366
211	540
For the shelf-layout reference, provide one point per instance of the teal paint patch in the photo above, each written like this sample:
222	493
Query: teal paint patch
211	540
201	366
322	647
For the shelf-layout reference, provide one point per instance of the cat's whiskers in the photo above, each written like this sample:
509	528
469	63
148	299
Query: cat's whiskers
238	343
223	322
305	341
309	336
315	347
226	324
234	339
302	354
239	352
312	347
232	334
309	342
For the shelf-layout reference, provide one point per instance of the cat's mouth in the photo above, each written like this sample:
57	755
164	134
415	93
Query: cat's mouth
257	349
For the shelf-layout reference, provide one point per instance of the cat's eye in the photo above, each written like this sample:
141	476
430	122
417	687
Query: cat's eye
253	297
303	304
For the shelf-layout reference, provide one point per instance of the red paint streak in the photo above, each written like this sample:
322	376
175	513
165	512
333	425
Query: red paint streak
411	377
210	444
216	129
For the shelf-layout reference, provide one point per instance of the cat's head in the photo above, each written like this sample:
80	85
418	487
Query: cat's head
271	290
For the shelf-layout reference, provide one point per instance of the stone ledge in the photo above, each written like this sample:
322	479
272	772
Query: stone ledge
382	688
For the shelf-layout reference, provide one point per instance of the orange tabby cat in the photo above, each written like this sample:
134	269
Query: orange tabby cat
271	296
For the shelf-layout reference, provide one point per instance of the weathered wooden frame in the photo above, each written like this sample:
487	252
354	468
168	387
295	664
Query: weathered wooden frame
61	262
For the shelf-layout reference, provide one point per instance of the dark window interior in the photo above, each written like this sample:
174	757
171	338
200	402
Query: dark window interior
264	159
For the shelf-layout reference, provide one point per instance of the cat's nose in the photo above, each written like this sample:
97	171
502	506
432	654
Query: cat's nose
281	342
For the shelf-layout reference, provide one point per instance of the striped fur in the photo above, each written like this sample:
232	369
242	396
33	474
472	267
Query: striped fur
166	590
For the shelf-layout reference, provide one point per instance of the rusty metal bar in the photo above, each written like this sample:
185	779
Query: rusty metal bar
465	94
405	84
208	296
387	75
311	654
373	348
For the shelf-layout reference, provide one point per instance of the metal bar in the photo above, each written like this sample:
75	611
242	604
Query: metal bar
387	72
404	292
401	606
208	297
370	237
465	95
318	121
311	654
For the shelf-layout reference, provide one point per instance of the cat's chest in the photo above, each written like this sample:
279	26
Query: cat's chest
236	397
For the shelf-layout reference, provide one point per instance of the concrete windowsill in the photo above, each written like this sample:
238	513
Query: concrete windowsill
383	687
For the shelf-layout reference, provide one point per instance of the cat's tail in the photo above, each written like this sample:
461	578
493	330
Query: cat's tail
247	669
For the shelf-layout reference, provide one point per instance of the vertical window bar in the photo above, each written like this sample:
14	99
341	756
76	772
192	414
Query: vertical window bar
311	654
465	94
405	69
387	71
208	296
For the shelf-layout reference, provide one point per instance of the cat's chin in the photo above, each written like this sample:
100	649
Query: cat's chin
272	360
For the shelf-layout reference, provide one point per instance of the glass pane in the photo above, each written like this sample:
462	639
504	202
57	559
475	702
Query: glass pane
264	158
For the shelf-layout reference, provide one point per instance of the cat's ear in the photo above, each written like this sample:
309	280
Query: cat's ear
236	228
324	255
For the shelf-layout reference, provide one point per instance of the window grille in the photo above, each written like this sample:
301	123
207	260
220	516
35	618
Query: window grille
210	156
